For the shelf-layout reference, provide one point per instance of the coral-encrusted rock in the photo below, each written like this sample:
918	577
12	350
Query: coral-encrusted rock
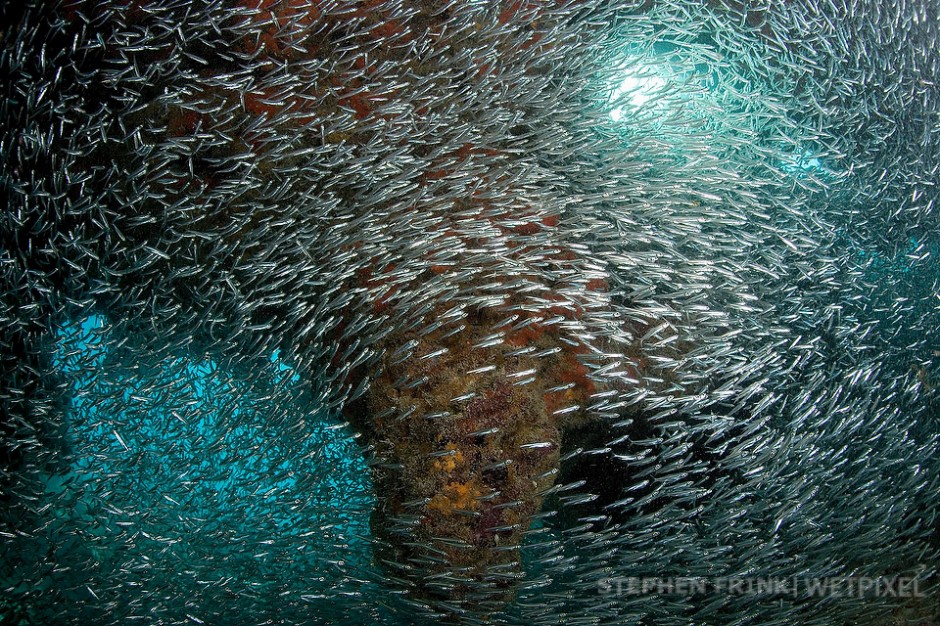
467	427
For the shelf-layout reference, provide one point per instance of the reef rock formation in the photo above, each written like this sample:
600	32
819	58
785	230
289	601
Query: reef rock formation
563	295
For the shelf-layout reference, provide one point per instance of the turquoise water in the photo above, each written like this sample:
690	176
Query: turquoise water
183	475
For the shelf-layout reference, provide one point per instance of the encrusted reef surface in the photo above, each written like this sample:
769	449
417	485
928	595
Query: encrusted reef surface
505	312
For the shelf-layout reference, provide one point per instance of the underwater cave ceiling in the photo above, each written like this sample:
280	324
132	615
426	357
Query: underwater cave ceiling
518	312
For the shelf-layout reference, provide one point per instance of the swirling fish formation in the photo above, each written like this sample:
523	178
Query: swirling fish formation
318	311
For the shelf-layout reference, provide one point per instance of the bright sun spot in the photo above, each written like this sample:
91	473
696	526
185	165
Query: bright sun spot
634	92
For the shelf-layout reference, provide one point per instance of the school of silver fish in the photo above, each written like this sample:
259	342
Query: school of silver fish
442	311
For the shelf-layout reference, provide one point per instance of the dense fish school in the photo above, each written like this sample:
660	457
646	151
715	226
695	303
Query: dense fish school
503	312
